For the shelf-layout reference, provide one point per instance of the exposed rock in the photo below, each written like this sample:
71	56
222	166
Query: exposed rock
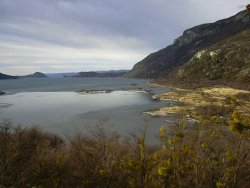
2	93
226	60
156	97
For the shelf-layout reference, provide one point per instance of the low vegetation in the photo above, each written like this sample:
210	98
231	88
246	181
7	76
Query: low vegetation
210	153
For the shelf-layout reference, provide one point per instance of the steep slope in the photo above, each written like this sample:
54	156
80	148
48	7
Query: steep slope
228	60
163	62
5	76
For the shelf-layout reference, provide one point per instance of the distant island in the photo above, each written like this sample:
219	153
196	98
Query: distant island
5	76
61	74
113	73
36	75
101	74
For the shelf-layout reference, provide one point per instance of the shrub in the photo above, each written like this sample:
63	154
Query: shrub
204	155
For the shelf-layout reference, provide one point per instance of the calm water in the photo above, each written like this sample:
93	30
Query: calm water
53	104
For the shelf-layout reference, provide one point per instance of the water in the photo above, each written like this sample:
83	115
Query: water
71	84
53	104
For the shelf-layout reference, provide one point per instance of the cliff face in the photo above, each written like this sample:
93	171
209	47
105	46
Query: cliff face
162	63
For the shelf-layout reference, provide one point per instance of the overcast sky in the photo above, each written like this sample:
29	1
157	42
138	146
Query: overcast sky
85	35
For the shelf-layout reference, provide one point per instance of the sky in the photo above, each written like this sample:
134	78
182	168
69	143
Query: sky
89	35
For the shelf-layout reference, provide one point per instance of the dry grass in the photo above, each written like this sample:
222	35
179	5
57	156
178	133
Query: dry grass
217	99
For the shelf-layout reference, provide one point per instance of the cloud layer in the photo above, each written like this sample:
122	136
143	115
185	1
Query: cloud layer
84	35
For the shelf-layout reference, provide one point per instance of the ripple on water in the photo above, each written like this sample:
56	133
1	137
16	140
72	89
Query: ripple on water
5	105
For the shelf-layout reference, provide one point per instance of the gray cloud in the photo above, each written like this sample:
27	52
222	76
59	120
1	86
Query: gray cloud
74	35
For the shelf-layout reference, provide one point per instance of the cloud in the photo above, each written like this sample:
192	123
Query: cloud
75	35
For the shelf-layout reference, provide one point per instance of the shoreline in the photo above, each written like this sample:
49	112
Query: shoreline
187	101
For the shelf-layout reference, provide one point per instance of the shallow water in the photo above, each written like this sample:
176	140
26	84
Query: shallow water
53	104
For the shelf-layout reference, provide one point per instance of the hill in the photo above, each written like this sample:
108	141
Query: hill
164	62
5	76
36	75
112	73
60	75
227	60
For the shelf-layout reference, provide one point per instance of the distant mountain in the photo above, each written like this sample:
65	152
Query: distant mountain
5	76
65	74
163	63
112	73
36	75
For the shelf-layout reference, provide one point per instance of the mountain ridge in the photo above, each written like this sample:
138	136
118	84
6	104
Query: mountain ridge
101	74
36	75
163	62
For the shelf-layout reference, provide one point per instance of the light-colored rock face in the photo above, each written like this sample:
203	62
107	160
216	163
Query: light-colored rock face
226	60
213	53
199	54
204	30
193	34
187	38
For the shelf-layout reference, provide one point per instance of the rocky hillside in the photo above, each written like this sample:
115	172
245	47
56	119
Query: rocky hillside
162	63
227	60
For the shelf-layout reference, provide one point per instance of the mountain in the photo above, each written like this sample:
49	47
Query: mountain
227	60
162	63
88	74
36	75
65	74
112	73
5	76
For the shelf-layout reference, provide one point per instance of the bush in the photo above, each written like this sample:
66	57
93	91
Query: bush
214	110
205	155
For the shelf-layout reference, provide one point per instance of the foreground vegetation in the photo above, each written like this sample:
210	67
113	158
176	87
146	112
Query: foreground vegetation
211	153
